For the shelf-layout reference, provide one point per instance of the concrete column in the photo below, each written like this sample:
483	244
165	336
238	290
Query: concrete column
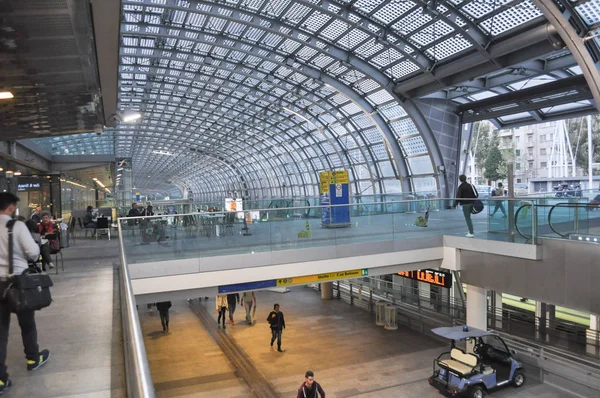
544	318
477	307
327	290
593	337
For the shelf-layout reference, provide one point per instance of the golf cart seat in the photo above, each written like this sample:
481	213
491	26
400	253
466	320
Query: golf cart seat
460	362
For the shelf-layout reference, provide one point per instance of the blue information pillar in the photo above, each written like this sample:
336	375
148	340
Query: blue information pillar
337	216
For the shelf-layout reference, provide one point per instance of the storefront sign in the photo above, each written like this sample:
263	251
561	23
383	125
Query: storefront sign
431	276
28	184
301	280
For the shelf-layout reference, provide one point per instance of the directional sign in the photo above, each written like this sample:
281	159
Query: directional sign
301	280
240	287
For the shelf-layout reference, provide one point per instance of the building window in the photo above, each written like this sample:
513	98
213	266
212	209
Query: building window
518	152
516	139
530	165
518	166
530	152
518	180
542	137
543	164
542	151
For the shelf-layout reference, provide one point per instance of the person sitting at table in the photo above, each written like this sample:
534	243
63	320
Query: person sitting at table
88	219
45	229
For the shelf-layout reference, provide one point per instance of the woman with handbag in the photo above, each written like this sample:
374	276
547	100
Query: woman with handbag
16	248
46	229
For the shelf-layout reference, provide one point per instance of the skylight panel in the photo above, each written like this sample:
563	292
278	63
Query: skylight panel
393	10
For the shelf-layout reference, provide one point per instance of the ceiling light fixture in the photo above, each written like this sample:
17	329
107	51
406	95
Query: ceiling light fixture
131	117
99	182
6	95
18	173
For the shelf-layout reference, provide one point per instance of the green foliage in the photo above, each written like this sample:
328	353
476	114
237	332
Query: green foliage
495	165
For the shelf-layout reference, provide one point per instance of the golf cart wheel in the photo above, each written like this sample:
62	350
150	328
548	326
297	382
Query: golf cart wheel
477	392
518	379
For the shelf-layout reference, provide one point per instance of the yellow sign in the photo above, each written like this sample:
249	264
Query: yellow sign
301	280
332	177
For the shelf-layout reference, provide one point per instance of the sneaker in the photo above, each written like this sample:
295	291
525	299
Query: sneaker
51	265
469	235
43	358
279	349
232	322
272	341
4	386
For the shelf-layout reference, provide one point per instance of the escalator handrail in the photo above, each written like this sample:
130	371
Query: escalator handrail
575	205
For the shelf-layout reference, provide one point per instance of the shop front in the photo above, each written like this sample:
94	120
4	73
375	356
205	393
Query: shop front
38	191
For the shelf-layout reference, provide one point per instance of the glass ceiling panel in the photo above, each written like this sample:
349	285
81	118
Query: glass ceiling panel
218	77
79	144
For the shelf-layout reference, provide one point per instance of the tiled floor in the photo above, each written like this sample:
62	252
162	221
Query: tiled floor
350	356
82	330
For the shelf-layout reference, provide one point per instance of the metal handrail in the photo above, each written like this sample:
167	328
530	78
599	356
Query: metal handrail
137	369
493	199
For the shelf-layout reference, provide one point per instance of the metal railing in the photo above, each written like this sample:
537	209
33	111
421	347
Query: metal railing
137	369
551	361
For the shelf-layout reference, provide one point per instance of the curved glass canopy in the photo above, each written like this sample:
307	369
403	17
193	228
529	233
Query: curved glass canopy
257	97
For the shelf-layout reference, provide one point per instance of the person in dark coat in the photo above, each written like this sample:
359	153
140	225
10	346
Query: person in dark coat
310	388
163	310
232	300
465	196
277	323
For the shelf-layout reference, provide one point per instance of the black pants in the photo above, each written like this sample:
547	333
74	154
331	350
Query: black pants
46	252
231	311
222	315
164	318
28	333
276	334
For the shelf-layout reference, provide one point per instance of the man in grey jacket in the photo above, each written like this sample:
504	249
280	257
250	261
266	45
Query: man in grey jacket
24	249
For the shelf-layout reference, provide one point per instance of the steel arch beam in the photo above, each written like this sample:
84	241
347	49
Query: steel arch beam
574	43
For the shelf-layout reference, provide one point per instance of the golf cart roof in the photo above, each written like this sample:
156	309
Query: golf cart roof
458	333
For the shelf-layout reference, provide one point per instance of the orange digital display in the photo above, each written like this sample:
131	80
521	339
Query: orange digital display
431	276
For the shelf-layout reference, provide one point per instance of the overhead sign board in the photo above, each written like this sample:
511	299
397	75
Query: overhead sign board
332	177
431	276
301	280
28	184
241	287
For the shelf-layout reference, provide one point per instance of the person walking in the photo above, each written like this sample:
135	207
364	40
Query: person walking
24	249
465	195
310	388
249	303
221	308
277	323
498	205
163	310
232	300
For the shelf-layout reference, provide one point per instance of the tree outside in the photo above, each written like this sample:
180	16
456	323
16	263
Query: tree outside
578	134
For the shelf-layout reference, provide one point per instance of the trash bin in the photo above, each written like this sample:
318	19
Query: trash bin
380	313
390	317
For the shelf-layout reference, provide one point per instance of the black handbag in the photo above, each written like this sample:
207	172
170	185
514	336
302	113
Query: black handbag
29	291
477	204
